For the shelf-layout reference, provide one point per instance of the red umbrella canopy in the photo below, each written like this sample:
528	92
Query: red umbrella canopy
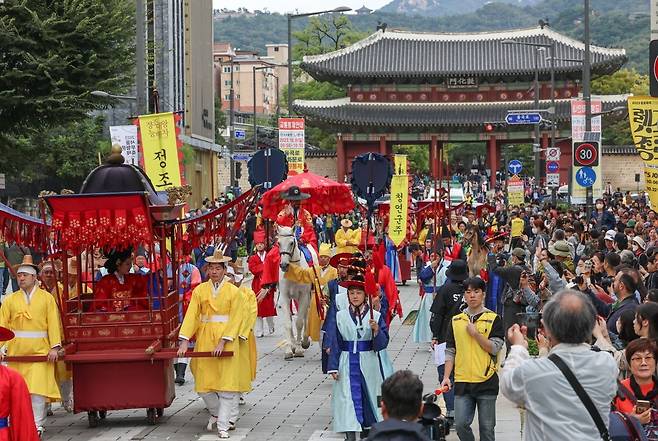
327	195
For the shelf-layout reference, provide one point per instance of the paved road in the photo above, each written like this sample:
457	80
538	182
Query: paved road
291	400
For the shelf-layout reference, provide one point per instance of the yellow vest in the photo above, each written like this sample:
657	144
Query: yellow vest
472	363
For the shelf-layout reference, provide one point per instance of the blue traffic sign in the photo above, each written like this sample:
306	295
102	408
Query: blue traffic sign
586	177
241	156
515	166
240	134
552	166
523	118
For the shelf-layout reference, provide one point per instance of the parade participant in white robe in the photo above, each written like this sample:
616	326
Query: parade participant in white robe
214	316
32	314
422	332
354	363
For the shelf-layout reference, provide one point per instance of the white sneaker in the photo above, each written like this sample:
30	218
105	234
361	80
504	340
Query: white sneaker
212	420
223	434
40	431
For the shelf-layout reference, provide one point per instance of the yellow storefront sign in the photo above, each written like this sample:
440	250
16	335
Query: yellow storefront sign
399	211
160	150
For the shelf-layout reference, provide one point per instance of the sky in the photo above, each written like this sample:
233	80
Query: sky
284	6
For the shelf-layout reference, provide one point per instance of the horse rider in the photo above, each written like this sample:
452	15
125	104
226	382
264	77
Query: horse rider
295	216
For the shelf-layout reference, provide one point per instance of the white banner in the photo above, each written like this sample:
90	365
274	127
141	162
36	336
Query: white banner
126	137
292	142
578	192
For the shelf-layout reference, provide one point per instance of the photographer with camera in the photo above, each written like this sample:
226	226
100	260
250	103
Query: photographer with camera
401	406
554	410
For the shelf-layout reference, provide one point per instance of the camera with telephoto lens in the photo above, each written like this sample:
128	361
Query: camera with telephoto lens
579	280
435	425
606	282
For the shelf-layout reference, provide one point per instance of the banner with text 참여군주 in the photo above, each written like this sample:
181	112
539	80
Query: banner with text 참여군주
399	208
292	142
160	150
643	116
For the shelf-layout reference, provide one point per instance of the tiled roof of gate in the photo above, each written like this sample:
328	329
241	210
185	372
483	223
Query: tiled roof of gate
413	56
344	113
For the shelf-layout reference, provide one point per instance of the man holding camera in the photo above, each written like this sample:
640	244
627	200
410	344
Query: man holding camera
540	385
401	406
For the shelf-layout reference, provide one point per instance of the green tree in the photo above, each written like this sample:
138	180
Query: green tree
61	156
320	36
616	130
54	52
220	121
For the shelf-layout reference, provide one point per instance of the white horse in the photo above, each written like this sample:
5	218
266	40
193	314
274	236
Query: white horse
288	290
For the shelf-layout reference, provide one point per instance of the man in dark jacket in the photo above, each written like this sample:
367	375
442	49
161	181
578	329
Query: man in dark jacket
402	395
605	220
512	301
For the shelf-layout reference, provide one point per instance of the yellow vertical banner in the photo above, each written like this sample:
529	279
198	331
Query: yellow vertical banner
399	210
643	116
160	150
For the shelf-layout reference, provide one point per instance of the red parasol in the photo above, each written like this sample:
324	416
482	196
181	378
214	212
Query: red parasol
327	196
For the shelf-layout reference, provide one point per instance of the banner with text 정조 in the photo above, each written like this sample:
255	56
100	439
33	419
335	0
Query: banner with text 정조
399	208
292	142
643	116
126	138
159	147
578	192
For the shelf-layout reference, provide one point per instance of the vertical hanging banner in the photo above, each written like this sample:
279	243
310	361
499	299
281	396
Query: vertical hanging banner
578	136
160	150
397	224
292	142
643	116
126	138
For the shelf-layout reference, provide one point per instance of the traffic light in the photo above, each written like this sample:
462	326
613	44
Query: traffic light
238	170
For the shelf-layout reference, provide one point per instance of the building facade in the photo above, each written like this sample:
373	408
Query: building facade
235	66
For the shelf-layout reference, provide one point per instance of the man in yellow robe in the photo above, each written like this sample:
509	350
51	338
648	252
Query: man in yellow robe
247	341
214	316
32	314
347	239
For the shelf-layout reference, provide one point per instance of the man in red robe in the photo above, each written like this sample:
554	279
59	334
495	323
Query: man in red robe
264	296
385	280
15	403
293	215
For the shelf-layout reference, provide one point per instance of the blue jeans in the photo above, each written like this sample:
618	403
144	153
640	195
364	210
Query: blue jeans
465	412
448	397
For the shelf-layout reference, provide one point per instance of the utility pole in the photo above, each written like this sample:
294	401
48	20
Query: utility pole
537	145
231	131
587	97
140	57
554	121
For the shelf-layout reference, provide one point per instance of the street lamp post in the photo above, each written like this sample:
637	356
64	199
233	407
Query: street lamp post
538	47
103	94
254	69
587	97
290	18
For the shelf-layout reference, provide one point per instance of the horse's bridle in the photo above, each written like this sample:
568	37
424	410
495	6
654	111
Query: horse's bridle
292	248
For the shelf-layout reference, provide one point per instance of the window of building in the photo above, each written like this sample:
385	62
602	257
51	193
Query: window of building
276	49
236	68
227	69
227	97
227	82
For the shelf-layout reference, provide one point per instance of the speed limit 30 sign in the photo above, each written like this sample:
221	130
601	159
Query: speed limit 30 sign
586	154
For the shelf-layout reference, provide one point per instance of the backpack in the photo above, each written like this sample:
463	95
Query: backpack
625	428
